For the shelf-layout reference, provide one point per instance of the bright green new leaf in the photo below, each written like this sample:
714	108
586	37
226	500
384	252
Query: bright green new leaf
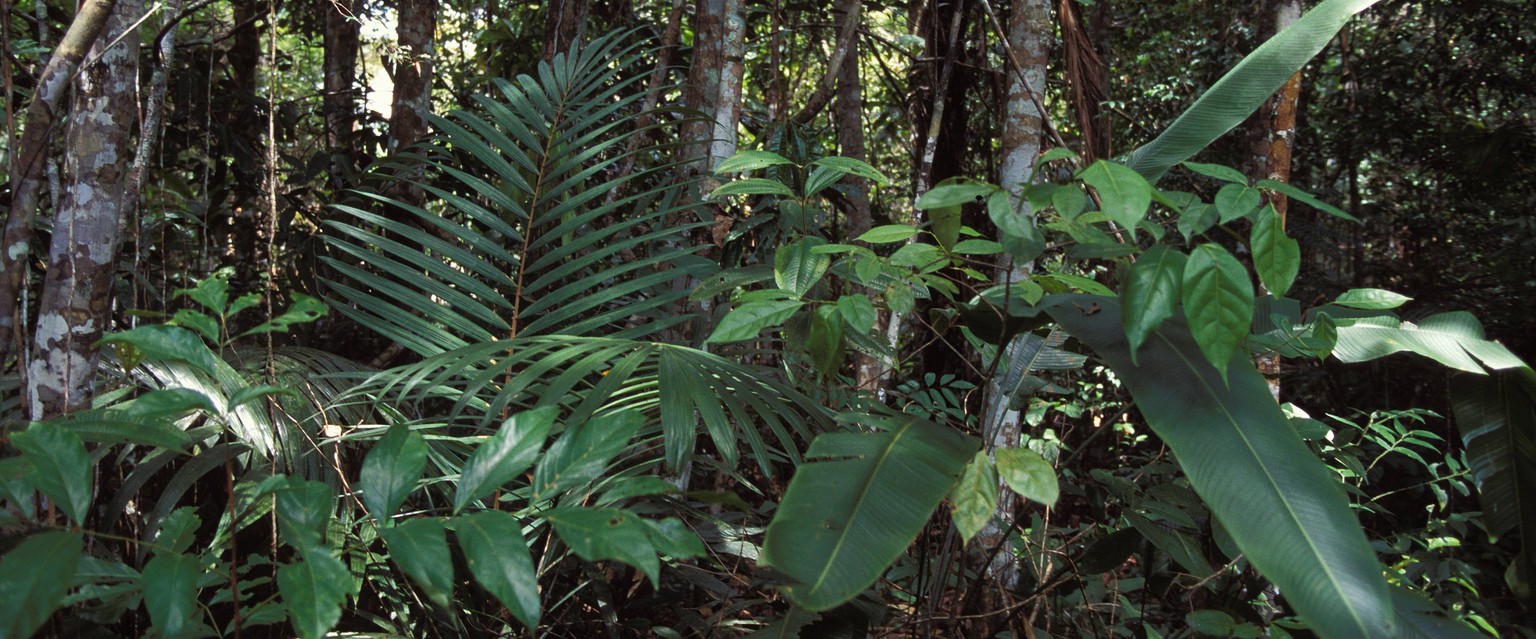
313	590
498	558
1373	299
857	503
750	160
582	453
391	469
973	500
1235	201
1218	301
747	320
1020	238
34	577
170	595
859	312
1152	292
850	166
167	343
1124	195
1028	474
1281	505
753	186
954	194
505	455
61	467
304	309
596	534
797	266
1245	88
1276	256
420	548
1223	173
887	234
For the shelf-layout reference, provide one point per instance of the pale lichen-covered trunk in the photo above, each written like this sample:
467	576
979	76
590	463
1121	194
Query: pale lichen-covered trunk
1028	48
77	291
29	162
728	105
416	28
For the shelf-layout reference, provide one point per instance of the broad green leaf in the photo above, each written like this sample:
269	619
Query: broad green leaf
851	166
1245	88
797	267
61	467
504	456
1020	238
498	558
787	627
887	234
1152	292
1305	198
304	511
167	403
420	548
212	291
1496	416
1235	201
916	255
1058	153
34	577
750	160
976	247
857	503
178	530
170	595
1079	282
973	500
1280	504
391	469
1454	339
596	534
1028	474
1224	173
947	195
753	186
582	453
1276	257
1197	218
1371	299
1069	200
747	320
1218	302
859	312
304	309
825	342
258	391
205	325
1124	195
162	342
673	538
313	589
945	223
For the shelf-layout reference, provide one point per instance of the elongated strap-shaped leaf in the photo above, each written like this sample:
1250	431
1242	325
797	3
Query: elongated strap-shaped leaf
1280	503
1496	414
1243	89
858	503
1454	339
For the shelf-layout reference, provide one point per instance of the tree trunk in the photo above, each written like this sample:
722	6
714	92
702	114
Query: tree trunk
703	90
342	42
29	158
1028	50
849	120
1273	136
565	24
77	293
416	33
728	104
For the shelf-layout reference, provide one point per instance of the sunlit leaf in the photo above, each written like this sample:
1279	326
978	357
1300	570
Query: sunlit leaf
1124	195
797	267
1028	474
508	453
974	499
1276	257
1371	299
746	321
1218	301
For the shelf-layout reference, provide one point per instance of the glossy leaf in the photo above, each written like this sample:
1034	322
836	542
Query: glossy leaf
504	456
1454	339
313	589
1152	292
1218	302
1235	201
391	470
974	499
170	595
746	321
61	467
1276	256
797	267
1020	238
34	577
1124	195
1282	506
857	503
753	186
583	452
750	160
1371	299
498	558
596	534
420	548
1028	474
167	343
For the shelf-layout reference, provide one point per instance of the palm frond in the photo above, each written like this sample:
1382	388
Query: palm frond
523	234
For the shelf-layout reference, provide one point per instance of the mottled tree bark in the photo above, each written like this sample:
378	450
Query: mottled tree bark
1028	50
416	28
77	296
29	158
564	25
1272	137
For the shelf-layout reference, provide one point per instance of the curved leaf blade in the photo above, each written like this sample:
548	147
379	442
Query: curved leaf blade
61	467
498	558
509	452
34	577
1218	302
391	469
420	548
1152	292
